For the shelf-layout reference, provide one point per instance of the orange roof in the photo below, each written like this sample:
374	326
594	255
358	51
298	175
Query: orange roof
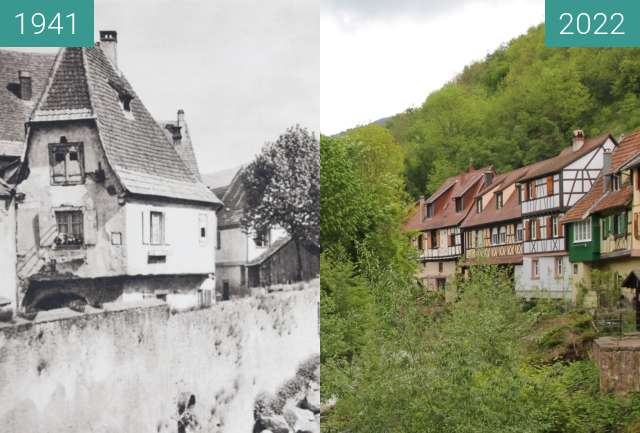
614	199
628	148
566	157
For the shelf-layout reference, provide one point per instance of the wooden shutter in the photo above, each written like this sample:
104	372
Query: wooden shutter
550	185
532	189
549	227
636	226
527	231
526	191
561	229
538	229
429	243
90	226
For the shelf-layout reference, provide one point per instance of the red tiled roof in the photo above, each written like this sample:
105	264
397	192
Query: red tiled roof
84	84
583	207
511	208
14	112
628	148
614	199
565	157
465	184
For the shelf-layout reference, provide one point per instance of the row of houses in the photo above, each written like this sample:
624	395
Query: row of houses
551	222
98	200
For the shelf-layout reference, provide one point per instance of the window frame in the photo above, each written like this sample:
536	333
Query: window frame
70	224
499	200
479	205
53	150
459	203
535	269
162	228
582	231
558	267
519	232
428	210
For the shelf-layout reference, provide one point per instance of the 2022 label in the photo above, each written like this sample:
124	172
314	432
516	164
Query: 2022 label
598	23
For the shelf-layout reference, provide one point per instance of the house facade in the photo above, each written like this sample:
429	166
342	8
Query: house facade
603	230
436	222
109	205
9	281
236	249
493	232
548	190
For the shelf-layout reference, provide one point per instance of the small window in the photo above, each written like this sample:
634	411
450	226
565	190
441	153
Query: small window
66	161
420	242
429	210
440	267
155	259
262	238
495	236
582	231
575	269
535	272
558	267
479	205
519	193
116	238
157	228
218	240
499	200
534	229
519	233
554	226
434	239
70	228
615	182
202	219
503	235
459	204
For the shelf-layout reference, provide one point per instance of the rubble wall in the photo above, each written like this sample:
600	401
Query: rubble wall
126	370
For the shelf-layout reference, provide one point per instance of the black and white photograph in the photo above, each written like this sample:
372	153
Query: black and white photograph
159	223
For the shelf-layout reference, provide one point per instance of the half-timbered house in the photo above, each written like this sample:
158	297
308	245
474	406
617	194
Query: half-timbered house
548	190
493	232
436	222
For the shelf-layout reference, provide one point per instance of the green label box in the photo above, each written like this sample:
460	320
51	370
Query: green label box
46	23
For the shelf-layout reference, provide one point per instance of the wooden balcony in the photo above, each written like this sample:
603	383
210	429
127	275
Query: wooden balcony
615	246
544	246
541	204
442	253
493	251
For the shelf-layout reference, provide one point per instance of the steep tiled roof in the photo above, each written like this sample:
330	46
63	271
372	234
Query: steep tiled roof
583	207
234	198
567	156
85	84
273	248
445	215
511	208
615	199
14	112
184	147
627	150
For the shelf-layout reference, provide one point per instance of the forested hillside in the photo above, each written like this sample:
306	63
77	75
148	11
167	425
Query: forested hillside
517	106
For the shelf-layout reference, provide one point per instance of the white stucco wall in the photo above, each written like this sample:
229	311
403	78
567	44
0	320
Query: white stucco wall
185	251
8	281
547	284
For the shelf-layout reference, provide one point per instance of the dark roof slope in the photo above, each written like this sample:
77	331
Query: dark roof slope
566	157
185	147
136	147
230	215
14	112
615	199
627	150
583	207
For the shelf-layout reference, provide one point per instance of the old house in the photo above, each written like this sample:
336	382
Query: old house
8	281
437	221
549	190
112	206
493	231
602	228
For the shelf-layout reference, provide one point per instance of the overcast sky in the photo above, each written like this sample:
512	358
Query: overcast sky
243	70
380	57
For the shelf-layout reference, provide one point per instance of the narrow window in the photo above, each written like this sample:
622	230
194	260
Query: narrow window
434	239
558	267
554	224
479	205
575	269
218	240
202	219
503	235
420	242
534	229
499	200
534	269
429	208
459	204
262	238
157	228
519	193
67	163
440	267
494	236
70	228
519	236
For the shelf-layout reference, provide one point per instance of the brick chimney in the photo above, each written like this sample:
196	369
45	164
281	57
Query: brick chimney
109	45
26	91
181	117
578	139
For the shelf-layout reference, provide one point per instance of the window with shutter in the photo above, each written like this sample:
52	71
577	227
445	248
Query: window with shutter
550	185
549	227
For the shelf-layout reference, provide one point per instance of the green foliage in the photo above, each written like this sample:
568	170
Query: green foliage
518	106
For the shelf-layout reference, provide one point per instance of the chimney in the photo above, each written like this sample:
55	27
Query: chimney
109	45
25	85
181	117
578	139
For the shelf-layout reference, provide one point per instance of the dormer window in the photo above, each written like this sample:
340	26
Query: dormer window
499	203
428	210
519	192
66	162
479	205
615	182
459	204
125	96
176	133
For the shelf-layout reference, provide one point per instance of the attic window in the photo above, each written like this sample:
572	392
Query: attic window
615	182
66	163
459	204
125	96
429	210
499	202
479	205
176	133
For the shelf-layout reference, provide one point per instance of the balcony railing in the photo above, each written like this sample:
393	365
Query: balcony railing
505	250
544	246
541	204
615	245
442	253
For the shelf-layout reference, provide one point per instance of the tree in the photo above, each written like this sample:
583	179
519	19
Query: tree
283	188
